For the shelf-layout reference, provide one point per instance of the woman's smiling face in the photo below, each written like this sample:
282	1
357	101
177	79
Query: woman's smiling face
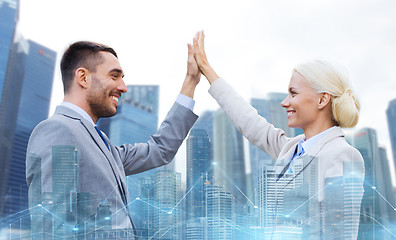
302	103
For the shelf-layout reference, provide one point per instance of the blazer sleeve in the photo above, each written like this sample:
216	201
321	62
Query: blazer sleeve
162	147
246	119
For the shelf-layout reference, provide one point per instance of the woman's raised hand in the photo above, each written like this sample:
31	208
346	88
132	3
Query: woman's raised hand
202	60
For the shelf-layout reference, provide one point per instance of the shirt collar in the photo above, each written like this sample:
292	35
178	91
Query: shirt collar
313	140
79	110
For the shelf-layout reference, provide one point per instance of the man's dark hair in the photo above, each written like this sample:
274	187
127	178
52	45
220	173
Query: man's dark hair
81	54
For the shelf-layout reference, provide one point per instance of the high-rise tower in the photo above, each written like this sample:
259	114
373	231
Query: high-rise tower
199	171
373	213
26	77
391	116
228	152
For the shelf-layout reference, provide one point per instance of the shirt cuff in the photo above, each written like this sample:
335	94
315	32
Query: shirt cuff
185	101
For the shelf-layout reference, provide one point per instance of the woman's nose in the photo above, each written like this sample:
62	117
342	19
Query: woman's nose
285	102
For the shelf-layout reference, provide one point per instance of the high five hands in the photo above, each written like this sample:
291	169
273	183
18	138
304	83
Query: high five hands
201	59
197	63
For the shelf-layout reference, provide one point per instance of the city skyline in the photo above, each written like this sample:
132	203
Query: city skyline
26	77
148	109
253	45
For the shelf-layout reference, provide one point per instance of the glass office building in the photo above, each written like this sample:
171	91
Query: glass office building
26	77
199	171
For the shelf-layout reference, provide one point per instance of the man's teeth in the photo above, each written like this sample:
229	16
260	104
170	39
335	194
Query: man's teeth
115	98
290	113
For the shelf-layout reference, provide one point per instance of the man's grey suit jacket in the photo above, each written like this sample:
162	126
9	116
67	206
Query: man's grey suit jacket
100	173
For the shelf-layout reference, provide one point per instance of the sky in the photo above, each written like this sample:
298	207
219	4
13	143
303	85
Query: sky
253	44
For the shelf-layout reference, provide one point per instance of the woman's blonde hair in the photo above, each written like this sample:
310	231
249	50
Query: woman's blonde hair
326	78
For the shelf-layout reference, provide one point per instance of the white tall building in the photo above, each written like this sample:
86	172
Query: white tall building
219	212
168	216
270	194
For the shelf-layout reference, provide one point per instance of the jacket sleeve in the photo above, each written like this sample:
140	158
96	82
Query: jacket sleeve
162	147
246	119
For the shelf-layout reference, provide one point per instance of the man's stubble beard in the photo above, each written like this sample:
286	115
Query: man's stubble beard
99	104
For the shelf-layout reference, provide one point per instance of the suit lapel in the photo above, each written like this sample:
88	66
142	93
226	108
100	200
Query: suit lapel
99	142
116	170
312	152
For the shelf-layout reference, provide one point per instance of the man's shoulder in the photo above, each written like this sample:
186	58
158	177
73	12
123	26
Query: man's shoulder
57	120
55	126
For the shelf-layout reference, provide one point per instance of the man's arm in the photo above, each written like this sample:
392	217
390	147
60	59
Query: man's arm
164	144
193	74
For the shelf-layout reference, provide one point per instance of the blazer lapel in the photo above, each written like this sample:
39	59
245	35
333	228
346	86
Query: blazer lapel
98	140
313	151
117	174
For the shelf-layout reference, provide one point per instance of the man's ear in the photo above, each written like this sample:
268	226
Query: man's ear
324	100
81	77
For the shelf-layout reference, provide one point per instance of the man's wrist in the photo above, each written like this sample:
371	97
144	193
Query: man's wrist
185	101
189	86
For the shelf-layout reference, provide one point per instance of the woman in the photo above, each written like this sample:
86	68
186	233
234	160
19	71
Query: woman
320	184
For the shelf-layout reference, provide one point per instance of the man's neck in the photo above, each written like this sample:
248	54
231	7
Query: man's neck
81	104
79	110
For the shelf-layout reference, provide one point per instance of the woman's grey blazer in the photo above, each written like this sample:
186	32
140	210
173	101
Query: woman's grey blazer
100	173
331	161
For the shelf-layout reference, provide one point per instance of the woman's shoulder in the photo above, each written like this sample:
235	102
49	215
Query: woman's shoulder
340	150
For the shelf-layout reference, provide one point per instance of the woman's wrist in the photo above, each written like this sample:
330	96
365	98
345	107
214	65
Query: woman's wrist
209	73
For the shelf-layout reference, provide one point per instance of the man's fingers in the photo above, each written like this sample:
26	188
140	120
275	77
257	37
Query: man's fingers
190	49
195	40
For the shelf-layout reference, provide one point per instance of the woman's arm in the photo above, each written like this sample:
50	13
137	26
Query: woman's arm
245	118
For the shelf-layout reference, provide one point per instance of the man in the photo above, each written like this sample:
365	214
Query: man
73	172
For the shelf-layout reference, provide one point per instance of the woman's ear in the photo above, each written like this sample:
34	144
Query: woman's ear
324	100
81	76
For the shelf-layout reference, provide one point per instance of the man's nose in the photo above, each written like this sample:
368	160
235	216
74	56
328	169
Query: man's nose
122	87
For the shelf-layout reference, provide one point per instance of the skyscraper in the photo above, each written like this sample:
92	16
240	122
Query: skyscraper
199	171
146	204
135	121
26	85
391	116
8	69
168	214
229	158
206	121
388	190
8	20
159	205
270	195
372	207
33	108
270	109
219	212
